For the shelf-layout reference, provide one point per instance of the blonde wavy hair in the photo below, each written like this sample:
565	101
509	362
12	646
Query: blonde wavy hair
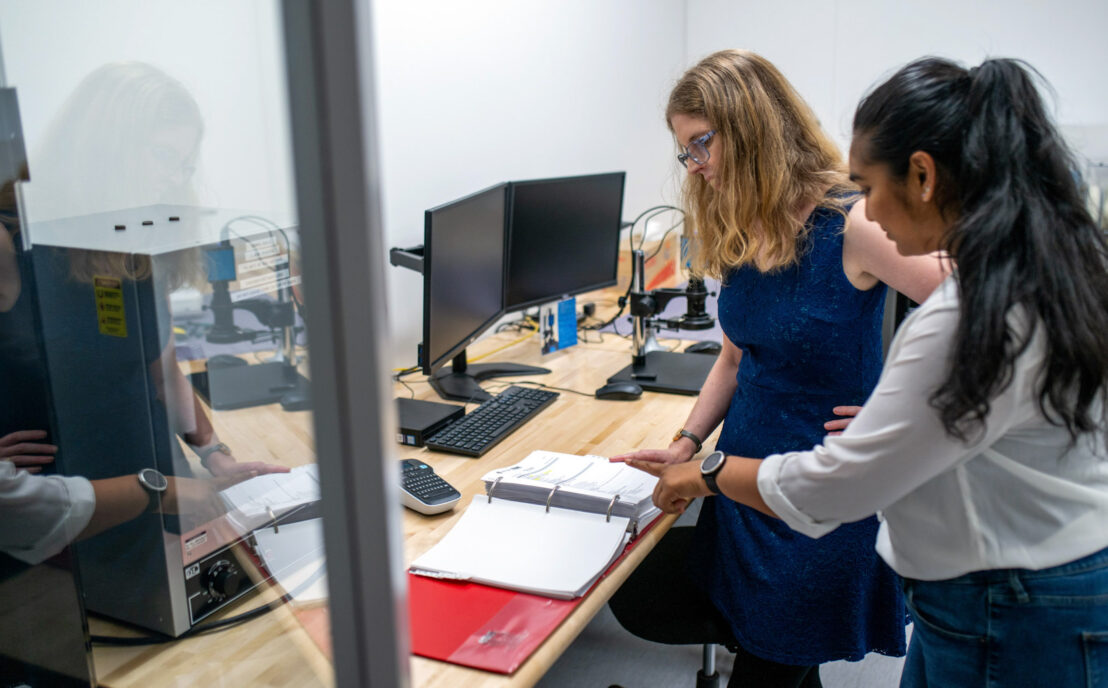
91	160
774	160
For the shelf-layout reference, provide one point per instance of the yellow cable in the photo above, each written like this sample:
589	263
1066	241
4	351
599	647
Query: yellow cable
499	349
490	353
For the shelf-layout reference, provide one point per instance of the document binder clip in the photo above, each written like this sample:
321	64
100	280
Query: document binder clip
611	505
493	488
273	518
551	496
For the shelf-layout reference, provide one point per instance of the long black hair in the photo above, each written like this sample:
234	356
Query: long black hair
1019	232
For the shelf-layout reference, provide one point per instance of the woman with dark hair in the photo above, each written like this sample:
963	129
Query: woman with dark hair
984	442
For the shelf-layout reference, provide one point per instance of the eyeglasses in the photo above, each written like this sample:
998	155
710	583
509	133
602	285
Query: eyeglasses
697	150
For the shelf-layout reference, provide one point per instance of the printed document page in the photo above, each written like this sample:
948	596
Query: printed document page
584	482
258	500
519	546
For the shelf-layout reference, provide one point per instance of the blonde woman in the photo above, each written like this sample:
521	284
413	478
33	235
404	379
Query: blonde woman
777	220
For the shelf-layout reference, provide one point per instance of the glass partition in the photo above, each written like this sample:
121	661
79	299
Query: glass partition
155	247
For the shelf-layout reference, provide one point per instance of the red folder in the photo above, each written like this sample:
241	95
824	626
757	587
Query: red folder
481	626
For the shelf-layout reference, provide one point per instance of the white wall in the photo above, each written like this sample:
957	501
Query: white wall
229	55
835	50
475	93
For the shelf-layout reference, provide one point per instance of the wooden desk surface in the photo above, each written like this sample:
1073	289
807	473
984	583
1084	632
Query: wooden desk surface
278	651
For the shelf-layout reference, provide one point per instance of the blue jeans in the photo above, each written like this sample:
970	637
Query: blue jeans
1011	627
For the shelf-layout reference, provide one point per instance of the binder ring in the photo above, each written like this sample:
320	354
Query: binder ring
493	488
611	505
273	518
551	496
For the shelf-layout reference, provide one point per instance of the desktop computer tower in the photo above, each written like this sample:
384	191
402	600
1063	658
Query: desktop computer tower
120	402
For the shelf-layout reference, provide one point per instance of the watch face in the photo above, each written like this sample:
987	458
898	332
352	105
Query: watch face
711	462
154	479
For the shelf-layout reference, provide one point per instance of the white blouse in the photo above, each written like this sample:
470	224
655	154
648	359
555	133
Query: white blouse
41	514
1018	496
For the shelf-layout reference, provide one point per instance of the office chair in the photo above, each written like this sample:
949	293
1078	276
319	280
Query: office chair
708	677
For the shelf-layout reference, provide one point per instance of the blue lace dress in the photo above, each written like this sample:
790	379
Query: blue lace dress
810	342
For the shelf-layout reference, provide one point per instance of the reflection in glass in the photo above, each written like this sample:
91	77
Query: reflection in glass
127	137
174	342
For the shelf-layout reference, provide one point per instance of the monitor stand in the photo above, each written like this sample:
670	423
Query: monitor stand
668	371
460	381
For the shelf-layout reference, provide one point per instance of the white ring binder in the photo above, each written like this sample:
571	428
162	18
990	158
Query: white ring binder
493	488
611	505
551	496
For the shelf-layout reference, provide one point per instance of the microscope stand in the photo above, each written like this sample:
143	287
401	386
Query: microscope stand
669	371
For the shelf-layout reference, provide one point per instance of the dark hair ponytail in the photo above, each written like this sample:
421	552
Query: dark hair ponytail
1020	233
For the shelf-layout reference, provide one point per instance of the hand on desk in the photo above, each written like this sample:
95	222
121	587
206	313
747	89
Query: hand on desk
678	483
675	453
836	427
21	449
225	466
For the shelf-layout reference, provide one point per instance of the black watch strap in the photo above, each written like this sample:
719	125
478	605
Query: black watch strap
710	468
155	484
696	440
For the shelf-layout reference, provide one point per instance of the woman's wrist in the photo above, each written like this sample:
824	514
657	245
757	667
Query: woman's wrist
218	463
214	449
684	448
692	438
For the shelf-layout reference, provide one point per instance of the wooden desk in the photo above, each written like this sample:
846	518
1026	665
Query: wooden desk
276	649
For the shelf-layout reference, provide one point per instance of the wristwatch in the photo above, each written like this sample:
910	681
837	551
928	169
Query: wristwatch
685	433
209	449
710	468
154	483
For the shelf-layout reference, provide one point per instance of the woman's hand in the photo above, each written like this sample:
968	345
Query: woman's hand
20	448
675	453
223	465
836	427
678	483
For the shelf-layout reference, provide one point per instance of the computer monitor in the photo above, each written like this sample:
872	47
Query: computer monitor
463	291
563	237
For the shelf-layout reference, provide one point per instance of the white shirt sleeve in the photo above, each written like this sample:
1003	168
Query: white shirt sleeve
897	442
41	514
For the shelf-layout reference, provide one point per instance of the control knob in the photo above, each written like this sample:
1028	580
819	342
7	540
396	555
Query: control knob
222	579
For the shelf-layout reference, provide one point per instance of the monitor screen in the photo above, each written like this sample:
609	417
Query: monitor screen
463	273
563	237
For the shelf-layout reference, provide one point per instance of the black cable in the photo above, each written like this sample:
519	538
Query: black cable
630	238
397	377
618	333
211	625
662	241
525	322
411	392
195	630
545	386
658	209
583	332
407	371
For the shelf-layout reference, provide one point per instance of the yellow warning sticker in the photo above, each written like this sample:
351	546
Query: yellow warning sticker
109	306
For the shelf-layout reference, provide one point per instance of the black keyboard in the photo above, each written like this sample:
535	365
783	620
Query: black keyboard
482	428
